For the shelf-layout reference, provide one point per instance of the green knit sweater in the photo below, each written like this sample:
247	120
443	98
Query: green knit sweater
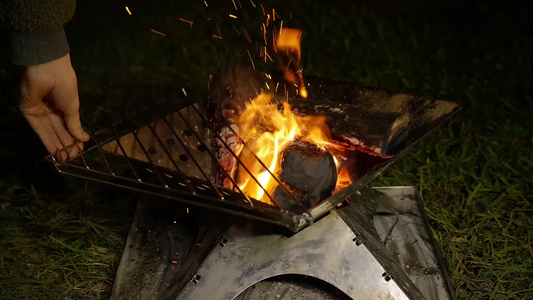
37	34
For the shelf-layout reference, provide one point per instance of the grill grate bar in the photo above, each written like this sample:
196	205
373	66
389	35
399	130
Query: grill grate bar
156	170
102	154
81	154
220	167
117	139
237	158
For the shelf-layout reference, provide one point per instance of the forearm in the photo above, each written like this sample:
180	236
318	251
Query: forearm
36	15
29	48
36	26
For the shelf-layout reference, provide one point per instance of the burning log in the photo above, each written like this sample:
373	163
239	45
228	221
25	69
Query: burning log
351	123
308	173
359	125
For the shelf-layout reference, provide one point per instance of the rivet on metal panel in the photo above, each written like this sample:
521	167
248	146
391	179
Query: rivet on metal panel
357	241
195	278
387	276
222	242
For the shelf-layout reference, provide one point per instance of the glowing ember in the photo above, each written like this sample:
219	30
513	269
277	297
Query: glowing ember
266	131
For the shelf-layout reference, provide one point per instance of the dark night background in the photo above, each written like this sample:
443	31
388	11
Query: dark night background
62	236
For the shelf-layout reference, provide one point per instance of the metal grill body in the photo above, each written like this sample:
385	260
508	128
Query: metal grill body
172	157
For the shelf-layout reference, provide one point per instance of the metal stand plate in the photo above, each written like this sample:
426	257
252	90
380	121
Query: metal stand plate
325	251
376	247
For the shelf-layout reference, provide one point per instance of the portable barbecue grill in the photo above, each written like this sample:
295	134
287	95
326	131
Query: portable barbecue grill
170	156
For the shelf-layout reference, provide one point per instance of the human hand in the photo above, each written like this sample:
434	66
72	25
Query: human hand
49	102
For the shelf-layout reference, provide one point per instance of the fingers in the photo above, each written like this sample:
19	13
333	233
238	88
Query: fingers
73	124
64	96
33	89
63	135
42	125
56	122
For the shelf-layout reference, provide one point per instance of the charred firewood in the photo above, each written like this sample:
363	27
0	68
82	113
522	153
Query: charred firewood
350	122
231	89
308	173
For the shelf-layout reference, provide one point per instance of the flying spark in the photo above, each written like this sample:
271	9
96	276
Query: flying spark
155	31
186	21
253	65
206	4
128	10
252	3
233	16
265	33
234	4
266	55
216	36
247	36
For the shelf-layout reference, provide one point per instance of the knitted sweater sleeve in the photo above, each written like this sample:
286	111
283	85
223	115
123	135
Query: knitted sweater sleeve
37	34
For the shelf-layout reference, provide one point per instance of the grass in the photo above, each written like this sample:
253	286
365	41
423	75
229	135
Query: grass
62	237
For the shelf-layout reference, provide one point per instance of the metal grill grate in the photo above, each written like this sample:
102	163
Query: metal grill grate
172	158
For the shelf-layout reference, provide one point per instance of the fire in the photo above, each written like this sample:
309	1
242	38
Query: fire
288	42
265	131
343	178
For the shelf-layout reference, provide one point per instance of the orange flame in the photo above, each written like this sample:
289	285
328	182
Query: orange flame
343	178
289	42
266	131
